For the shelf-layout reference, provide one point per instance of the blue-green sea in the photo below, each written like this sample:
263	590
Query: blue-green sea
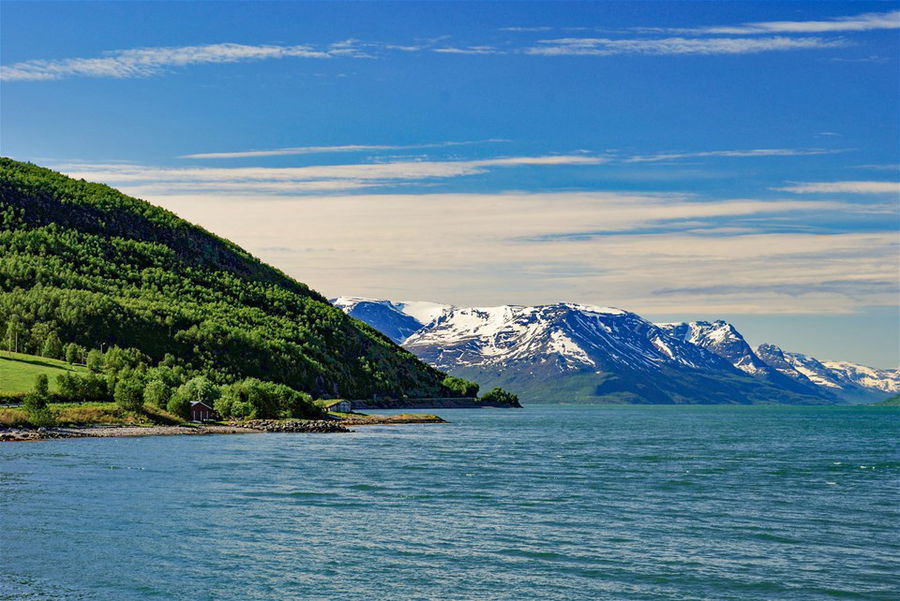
549	502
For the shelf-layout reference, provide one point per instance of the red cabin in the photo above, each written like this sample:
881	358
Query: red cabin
201	412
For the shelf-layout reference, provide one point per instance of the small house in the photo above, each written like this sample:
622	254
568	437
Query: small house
339	406
201	412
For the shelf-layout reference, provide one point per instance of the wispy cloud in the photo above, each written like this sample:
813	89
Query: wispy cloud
299	179
143	62
677	46
846	187
527	29
468	50
862	22
347	148
748	153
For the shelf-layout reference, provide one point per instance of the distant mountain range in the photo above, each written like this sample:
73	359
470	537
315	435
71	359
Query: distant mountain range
572	352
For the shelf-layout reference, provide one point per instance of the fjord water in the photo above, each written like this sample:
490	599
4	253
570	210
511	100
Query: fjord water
550	502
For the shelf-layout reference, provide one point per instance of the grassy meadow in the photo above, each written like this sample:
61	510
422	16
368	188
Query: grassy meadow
18	372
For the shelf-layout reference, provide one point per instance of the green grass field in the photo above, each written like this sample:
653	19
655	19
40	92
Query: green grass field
18	371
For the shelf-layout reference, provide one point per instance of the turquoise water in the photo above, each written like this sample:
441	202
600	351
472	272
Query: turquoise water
559	503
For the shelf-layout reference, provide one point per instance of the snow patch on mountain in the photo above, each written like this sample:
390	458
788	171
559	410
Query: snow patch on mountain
885	380
721	338
574	336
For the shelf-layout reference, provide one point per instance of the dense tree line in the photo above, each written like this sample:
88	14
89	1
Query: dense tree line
83	266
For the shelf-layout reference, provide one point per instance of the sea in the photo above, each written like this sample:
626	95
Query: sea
550	502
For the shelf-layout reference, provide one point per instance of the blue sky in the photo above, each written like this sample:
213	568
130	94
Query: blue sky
682	160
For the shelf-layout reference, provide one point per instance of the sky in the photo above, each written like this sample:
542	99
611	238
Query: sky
708	160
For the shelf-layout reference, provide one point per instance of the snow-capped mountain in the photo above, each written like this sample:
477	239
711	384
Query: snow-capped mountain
843	377
397	320
722	339
571	337
886	380
569	351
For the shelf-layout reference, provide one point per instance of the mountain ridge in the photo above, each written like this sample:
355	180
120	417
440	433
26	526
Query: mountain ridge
618	355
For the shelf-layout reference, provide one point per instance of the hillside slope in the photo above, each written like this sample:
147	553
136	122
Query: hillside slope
96	267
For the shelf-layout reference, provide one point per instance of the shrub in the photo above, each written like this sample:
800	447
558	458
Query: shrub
52	347
35	403
461	387
252	398
500	396
179	405
95	361
73	353
80	388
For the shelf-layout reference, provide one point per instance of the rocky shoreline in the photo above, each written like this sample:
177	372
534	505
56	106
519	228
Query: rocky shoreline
256	426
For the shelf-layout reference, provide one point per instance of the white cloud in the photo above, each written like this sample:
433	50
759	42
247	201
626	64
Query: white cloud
329	149
749	153
863	22
143	62
676	45
848	187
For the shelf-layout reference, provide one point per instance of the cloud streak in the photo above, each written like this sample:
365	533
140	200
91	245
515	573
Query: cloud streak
748	153
862	22
847	187
297	150
144	62
677	46
315	177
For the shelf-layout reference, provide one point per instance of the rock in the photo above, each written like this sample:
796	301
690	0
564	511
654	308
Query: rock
278	425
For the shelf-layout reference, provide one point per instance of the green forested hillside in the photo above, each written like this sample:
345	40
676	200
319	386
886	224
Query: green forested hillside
83	263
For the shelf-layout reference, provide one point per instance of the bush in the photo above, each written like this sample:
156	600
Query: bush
75	388
52	347
129	394
179	405
499	396
95	361
35	403
252	398
73	353
197	389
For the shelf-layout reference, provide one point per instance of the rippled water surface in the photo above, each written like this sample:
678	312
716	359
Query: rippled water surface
550	502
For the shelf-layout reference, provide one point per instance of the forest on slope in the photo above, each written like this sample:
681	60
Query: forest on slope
85	266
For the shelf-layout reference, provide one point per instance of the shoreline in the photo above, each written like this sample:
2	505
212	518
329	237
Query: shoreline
259	426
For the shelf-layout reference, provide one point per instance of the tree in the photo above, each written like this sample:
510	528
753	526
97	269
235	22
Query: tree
42	387
35	403
157	394
498	396
52	346
73	353
129	394
15	332
95	361
40	331
197	389
461	387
